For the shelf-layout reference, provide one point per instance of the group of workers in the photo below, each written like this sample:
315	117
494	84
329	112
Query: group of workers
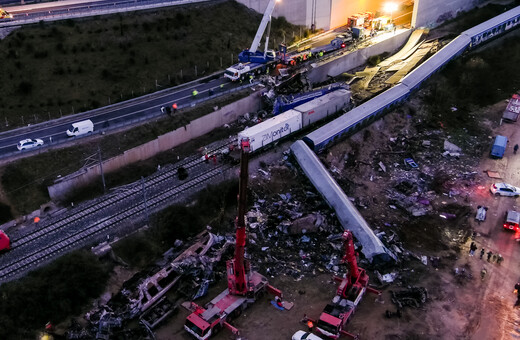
194	93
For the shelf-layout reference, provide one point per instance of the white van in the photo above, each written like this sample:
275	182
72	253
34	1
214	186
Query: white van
80	128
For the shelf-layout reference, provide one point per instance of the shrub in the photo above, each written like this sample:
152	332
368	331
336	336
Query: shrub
25	87
51	293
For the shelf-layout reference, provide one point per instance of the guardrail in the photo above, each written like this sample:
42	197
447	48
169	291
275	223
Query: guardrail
92	11
116	123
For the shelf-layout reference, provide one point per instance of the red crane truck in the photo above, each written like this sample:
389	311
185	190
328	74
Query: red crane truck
351	289
244	286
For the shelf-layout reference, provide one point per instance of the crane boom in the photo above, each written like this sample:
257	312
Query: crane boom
263	24
238	267
350	256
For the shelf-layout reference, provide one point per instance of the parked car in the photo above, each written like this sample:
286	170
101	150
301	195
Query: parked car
301	335
29	143
512	220
504	189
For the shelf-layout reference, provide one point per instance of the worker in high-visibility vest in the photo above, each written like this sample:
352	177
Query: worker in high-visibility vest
194	93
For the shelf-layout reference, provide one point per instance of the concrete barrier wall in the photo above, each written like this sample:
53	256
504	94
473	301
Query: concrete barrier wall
194	129
347	62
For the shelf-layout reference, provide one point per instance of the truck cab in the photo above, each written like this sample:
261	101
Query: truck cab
512	220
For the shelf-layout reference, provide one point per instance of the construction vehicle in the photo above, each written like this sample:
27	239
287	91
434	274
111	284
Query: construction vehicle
349	293
360	20
244	285
5	15
252	59
253	54
5	243
255	62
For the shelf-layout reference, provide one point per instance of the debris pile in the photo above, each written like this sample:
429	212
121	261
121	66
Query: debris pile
143	296
294	234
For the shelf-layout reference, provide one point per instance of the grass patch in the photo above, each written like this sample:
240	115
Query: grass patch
25	181
463	85
50	294
55	69
475	16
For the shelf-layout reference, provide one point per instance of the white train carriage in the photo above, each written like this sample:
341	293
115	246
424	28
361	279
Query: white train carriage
493	27
356	118
455	47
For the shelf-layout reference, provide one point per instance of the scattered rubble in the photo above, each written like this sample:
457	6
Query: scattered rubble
412	297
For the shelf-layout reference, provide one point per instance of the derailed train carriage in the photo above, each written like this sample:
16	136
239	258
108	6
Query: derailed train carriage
302	116
366	113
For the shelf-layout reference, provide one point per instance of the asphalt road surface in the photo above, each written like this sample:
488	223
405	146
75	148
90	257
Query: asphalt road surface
104	118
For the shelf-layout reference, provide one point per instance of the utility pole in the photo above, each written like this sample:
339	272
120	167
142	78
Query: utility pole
101	169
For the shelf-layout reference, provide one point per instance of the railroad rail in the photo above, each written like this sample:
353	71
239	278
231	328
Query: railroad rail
91	221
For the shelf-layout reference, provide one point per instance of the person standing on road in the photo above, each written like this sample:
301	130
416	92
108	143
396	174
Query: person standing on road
515	149
472	249
499	259
517	292
482	252
489	253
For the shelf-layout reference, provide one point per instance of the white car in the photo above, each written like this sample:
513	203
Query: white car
504	189
301	335
29	143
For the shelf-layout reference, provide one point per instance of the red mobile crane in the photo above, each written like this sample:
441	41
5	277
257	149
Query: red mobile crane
244	286
348	295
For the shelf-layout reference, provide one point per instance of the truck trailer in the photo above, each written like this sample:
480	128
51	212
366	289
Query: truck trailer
512	110
271	130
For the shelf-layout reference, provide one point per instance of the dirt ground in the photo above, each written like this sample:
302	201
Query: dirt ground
458	307
370	168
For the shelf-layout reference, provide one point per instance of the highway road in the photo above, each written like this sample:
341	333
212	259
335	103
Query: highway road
111	116
135	110
47	10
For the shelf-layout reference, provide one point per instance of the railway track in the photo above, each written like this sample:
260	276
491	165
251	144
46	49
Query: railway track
90	221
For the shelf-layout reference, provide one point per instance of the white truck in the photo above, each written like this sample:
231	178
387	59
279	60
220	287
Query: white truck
242	70
80	128
271	130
